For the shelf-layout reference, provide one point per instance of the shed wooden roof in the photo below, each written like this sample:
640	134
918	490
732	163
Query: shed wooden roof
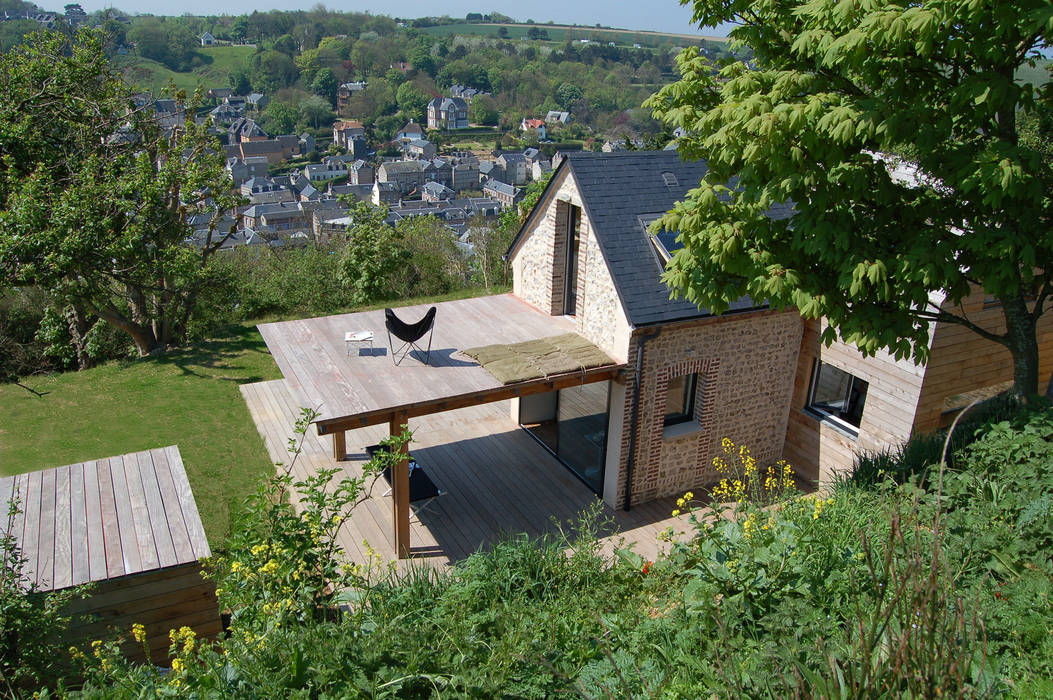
104	519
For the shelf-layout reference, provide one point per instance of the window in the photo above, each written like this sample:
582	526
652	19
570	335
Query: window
838	395
680	399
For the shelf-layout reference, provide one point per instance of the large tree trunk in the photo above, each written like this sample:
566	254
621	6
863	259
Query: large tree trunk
77	322
1022	342
143	336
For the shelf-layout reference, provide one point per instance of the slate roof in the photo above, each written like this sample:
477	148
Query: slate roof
621	192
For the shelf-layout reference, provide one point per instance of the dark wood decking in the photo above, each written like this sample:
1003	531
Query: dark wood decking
497	481
104	519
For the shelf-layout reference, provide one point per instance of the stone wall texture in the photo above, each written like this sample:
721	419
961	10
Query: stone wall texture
746	366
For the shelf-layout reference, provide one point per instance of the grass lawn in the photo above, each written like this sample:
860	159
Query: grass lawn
188	398
219	61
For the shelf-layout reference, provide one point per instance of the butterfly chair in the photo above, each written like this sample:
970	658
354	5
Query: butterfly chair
409	334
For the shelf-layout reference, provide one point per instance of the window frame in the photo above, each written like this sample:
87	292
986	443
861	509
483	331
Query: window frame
689	399
827	416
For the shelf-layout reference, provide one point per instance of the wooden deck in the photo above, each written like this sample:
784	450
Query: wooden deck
104	519
366	386
497	481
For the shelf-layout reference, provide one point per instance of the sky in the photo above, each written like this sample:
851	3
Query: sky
656	15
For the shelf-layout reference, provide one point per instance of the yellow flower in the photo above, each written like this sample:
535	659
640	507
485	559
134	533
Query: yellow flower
178	666
235	567
270	567
139	633
676	512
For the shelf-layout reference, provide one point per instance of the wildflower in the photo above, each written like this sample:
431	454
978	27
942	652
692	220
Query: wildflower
676	512
647	567
235	567
178	666
139	633
270	567
96	648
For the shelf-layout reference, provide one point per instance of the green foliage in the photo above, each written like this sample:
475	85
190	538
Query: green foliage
31	622
316	111
372	255
171	44
272	70
75	175
483	110
411	100
325	84
281	117
433	263
928	85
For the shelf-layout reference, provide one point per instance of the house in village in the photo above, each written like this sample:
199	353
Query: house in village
406	175
655	383
411	132
447	113
207	39
346	131
506	194
345	92
534	125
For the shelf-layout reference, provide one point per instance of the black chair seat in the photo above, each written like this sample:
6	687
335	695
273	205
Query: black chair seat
409	334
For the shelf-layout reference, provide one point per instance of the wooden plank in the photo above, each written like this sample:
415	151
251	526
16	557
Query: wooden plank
79	527
125	521
63	576
95	522
136	494
162	534
7	498
45	564
16	522
449	403
340	445
184	551
186	503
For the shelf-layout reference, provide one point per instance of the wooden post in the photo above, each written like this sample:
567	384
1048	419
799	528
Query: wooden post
340	445
400	492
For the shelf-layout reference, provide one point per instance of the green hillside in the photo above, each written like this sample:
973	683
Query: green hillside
560	33
216	63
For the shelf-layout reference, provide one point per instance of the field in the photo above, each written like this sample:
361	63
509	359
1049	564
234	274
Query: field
218	62
188	398
560	33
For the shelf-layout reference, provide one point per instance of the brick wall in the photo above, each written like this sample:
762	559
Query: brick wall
746	367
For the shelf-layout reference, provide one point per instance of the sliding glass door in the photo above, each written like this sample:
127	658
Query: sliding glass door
572	423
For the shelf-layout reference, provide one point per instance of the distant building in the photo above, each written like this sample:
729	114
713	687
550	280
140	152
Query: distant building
447	113
207	39
410	132
506	194
556	117
346	131
257	101
537	125
420	149
345	92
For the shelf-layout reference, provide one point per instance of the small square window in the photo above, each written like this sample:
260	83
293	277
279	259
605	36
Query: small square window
680	399
838	395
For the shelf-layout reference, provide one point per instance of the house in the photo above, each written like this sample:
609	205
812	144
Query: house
207	39
330	170
410	132
437	170
436	192
610	146
345	92
245	129
224	115
536	125
218	94
360	173
464	176
256	101
346	131
271	149
362	193
420	149
241	170
755	375
557	117
514	168
406	175
447	113
506	194
385	193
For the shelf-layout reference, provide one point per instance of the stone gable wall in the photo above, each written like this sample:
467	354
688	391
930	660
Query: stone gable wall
746	367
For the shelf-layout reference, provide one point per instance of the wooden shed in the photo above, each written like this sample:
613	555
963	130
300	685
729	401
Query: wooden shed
130	525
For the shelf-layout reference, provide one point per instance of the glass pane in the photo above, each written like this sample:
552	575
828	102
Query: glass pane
582	425
839	394
679	404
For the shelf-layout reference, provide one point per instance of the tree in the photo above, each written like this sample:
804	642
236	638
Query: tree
483	110
372	256
240	84
842	93
282	117
272	71
325	84
411	100
316	110
567	94
490	243
95	196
